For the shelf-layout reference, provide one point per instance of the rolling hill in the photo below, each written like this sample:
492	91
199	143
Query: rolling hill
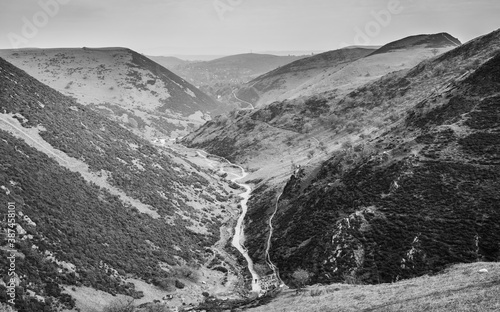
342	70
232	69
169	62
122	84
431	41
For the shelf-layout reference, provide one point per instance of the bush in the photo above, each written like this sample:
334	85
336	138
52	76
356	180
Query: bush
167	284
300	278
439	70
352	279
186	273
6	308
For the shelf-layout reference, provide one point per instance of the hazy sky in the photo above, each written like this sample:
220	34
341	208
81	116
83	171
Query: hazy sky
166	27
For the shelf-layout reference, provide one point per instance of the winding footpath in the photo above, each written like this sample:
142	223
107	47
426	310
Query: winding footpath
251	105
239	235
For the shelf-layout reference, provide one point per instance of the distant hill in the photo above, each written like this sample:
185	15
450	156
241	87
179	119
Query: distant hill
251	62
342	70
95	205
122	84
221	76
230	69
275	84
169	62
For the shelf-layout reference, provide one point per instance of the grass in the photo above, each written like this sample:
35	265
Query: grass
459	288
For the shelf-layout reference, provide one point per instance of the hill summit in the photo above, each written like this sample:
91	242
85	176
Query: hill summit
440	40
122	84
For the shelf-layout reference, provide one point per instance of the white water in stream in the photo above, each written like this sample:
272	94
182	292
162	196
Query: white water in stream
239	235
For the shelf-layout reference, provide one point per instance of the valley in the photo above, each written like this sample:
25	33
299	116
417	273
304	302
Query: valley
220	76
252	182
360	164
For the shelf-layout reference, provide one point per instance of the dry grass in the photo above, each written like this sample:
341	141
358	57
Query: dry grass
459	288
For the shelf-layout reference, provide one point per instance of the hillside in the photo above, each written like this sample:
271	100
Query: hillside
122	84
441	40
232	69
460	288
408	185
341	70
99	210
414	198
272	85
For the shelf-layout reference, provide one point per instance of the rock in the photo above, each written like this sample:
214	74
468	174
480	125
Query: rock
483	271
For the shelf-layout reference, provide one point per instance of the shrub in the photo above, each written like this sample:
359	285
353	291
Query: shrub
261	269
187	273
352	279
165	284
6	308
439	70
300	278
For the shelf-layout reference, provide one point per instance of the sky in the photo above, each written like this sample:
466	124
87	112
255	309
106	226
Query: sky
225	27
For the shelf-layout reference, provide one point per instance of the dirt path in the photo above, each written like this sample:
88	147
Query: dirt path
251	105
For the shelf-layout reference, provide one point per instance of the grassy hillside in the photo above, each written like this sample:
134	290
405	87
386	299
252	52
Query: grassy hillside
274	84
434	41
460	288
342	70
96	204
123	85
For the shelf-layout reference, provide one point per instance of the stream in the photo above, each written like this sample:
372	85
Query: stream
268	245
239	234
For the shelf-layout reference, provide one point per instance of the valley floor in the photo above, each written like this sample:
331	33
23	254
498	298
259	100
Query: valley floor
459	288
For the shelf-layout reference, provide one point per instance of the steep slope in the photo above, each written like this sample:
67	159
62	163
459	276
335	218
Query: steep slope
343	70
124	85
413	199
93	204
409	184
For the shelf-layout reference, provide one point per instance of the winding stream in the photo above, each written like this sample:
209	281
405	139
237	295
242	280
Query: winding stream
268	245
239	235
